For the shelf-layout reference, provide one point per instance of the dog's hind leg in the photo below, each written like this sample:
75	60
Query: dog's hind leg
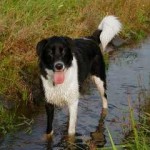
50	116
73	108
101	88
99	78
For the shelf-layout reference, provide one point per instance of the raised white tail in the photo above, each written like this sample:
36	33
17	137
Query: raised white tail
110	26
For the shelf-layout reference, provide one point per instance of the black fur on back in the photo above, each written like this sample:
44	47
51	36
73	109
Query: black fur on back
86	51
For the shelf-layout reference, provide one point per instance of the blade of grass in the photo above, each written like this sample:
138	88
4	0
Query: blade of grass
136	138
111	140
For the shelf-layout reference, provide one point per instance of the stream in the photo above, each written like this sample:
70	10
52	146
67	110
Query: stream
128	77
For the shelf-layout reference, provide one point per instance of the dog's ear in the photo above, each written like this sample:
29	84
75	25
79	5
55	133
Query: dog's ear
40	46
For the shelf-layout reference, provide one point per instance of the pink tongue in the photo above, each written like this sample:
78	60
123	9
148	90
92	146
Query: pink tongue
59	77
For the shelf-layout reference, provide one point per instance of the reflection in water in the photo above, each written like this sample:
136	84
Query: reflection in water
98	137
78	142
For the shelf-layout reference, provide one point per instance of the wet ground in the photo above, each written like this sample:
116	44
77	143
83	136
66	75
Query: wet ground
128	77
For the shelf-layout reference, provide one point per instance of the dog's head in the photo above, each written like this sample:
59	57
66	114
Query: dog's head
55	54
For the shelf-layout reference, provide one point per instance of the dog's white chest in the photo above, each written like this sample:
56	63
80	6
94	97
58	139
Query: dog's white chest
64	93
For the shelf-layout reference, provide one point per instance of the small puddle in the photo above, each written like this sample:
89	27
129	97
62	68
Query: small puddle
128	75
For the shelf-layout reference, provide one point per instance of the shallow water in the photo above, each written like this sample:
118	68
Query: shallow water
128	75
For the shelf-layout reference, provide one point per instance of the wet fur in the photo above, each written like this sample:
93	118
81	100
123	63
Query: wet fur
81	57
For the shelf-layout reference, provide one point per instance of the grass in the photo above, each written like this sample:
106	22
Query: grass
138	137
111	140
139	134
9	122
24	23
6	121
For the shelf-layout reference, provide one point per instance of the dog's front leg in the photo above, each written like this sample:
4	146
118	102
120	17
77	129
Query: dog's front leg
50	116
73	108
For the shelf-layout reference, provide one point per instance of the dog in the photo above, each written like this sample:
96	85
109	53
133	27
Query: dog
65	63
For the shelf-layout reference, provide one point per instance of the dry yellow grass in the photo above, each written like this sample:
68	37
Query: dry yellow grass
24	23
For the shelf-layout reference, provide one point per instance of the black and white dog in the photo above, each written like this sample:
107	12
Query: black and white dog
65	63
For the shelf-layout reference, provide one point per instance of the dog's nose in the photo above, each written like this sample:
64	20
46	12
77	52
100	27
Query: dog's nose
59	66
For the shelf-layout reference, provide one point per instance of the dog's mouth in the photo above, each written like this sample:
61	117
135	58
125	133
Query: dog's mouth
59	72
59	77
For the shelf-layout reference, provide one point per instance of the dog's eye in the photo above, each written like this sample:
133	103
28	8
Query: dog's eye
61	49
50	53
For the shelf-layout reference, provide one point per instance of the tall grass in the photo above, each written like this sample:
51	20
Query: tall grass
139	134
111	140
10	122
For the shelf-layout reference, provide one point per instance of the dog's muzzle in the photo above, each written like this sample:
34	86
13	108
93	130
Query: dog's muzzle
59	72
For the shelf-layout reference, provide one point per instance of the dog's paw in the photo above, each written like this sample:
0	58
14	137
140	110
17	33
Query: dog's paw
69	138
47	137
104	112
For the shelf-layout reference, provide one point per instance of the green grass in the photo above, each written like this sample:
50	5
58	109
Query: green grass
6	121
10	122
111	140
138	135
